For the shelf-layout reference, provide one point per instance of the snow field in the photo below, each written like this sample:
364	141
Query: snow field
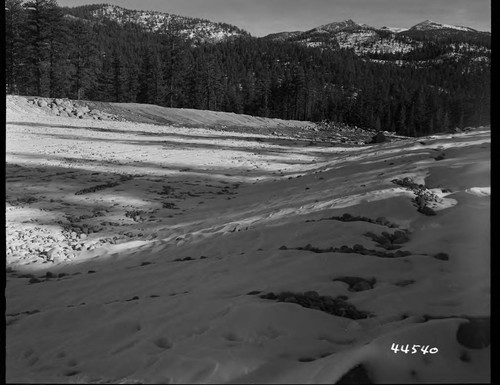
181	303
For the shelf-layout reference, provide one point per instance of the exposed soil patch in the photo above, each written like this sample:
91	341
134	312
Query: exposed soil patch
353	218
390	241
356	249
312	300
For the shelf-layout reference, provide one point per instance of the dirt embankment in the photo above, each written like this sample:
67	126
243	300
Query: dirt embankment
186	117
148	113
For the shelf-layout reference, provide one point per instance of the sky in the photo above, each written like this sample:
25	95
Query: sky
262	17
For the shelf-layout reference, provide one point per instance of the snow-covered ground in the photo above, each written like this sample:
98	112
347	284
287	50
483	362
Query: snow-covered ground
140	254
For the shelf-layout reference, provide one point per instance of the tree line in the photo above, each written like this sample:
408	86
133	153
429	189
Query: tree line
54	52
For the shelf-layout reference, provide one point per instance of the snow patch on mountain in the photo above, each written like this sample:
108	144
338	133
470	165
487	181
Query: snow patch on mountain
394	29
369	41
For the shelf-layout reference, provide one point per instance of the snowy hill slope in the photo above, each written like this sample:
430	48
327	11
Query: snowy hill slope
214	257
193	29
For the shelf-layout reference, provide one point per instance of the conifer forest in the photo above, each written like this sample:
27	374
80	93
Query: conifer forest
65	52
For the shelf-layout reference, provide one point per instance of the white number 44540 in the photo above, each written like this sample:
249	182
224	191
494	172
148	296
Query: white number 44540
424	349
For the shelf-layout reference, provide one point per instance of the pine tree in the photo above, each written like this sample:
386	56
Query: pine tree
445	125
118	77
402	125
42	15
263	90
14	22
103	90
300	92
132	85
151	85
58	55
83	58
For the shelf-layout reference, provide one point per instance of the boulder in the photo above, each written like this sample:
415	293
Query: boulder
379	138
475	334
442	256
52	253
42	103
420	201
79	112
426	210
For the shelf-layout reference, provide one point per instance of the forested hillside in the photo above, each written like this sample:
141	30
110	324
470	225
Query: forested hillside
70	52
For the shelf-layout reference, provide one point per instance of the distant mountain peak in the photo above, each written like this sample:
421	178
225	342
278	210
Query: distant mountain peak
194	29
339	26
429	25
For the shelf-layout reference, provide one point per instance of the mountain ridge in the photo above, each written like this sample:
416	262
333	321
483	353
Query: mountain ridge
197	30
157	21
432	25
404	44
426	25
